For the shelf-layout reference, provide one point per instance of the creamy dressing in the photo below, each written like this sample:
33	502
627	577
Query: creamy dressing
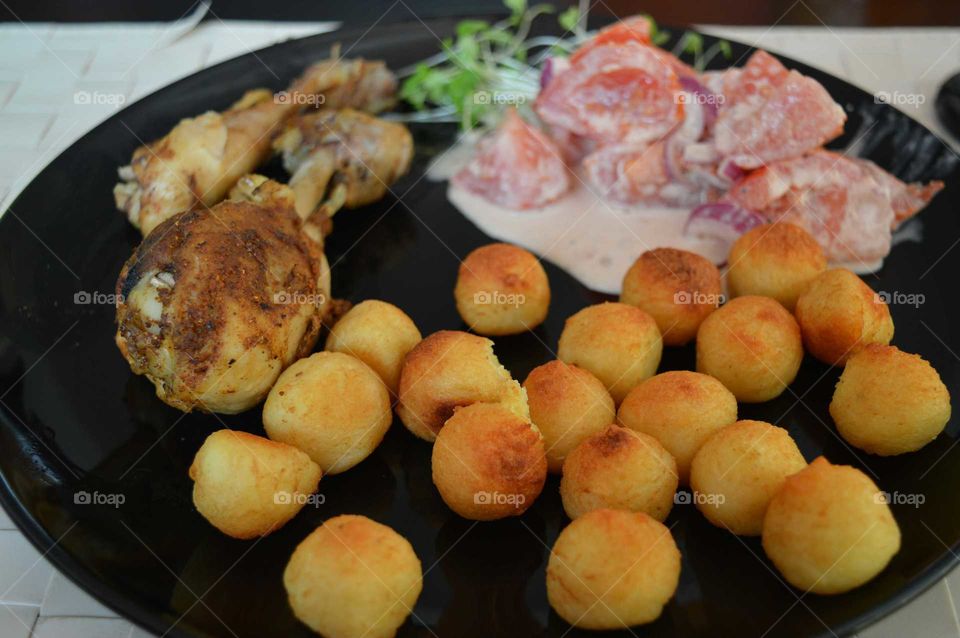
594	240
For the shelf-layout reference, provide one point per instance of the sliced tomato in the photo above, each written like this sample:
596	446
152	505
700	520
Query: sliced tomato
632	29
625	93
848	204
516	166
771	114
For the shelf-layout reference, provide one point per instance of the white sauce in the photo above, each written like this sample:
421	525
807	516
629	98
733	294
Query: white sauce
594	240
585	235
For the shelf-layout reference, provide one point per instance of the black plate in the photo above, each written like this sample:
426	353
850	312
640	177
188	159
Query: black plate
74	419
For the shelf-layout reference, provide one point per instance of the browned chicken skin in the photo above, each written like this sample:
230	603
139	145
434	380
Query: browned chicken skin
216	303
195	164
342	158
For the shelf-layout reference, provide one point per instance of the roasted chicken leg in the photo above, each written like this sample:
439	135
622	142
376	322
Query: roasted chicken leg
195	164
215	304
342	158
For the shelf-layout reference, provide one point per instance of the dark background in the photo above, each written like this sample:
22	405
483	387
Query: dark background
677	12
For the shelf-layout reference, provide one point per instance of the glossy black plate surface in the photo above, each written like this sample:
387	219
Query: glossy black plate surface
75	421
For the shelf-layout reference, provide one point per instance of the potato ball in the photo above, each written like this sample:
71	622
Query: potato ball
753	346
567	404
332	406
829	529
451	369
776	260
619	344
502	290
488	463
677	288
248	486
889	402
738	470
619	469
611	569
839	315
681	409
353	578
377	333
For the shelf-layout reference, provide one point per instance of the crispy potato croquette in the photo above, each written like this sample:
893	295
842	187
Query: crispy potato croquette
379	334
889	402
617	343
488	463
753	346
611	569
502	290
248	486
738	470
840	315
776	260
332	406
353	578
619	469
567	404
829	529
677	288
451	369
681	409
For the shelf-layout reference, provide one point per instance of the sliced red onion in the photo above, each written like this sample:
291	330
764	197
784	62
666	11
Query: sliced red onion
552	68
721	220
729	169
702	96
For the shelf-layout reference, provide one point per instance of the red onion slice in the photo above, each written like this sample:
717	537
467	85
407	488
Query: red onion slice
721	220
729	169
703	96
552	68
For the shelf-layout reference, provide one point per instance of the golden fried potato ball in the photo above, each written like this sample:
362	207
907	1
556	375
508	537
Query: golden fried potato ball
502	290
332	406
451	369
619	469
677	288
379	334
738	470
839	315
889	402
753	346
776	260
611	569
617	343
681	409
248	486
488	463
567	404
829	529
353	578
